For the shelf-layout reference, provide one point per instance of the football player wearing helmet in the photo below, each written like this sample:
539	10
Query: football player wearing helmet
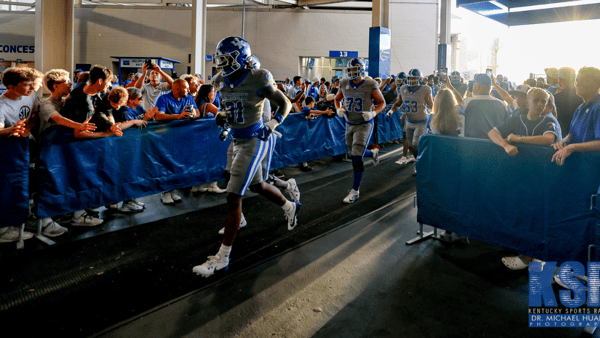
400	81
243	93
458	84
362	102
413	100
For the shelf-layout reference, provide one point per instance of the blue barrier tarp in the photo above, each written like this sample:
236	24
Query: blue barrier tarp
14	175
389	128
76	174
306	140
525	203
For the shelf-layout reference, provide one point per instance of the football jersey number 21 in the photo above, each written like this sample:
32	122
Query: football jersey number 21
235	111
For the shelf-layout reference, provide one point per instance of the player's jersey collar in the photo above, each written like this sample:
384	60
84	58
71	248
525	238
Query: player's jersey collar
356	85
413	91
237	82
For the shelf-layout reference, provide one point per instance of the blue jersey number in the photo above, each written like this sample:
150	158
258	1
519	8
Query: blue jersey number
410	106
234	111
357	102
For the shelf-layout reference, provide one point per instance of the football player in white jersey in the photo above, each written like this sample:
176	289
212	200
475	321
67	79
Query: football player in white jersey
243	93
413	100
362	102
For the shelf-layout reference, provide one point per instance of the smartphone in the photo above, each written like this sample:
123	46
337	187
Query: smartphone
443	74
489	72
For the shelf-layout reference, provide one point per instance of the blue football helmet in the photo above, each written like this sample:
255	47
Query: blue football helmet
255	62
400	79
233	53
455	77
356	68
413	78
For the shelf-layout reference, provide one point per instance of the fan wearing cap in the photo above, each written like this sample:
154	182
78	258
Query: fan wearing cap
313	91
552	79
584	134
482	111
566	98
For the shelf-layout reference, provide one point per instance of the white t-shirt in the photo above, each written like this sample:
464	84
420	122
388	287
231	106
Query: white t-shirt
12	111
49	107
150	94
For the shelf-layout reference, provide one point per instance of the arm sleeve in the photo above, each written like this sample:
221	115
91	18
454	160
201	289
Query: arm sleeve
265	80
161	104
507	127
305	111
551	127
596	122
47	109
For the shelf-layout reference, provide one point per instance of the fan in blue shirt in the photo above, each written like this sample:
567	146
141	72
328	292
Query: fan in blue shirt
585	127
172	106
134	110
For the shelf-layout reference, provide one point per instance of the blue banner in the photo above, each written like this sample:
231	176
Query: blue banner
524	203
389	128
14	175
77	174
307	140
380	46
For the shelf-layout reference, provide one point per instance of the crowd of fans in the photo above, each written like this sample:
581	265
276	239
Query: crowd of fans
560	110
563	113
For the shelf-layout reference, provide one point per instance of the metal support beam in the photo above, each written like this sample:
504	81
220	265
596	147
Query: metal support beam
198	37
54	35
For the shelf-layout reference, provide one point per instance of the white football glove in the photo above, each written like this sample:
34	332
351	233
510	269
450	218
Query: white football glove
369	115
272	124
341	112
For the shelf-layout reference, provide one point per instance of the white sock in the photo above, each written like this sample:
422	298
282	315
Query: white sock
78	214
224	251
241	219
287	206
46	221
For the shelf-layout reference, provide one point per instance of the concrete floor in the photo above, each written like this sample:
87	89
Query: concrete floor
360	280
357	278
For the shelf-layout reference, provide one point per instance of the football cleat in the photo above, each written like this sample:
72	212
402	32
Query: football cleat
293	190
211	266
291	215
375	152
352	196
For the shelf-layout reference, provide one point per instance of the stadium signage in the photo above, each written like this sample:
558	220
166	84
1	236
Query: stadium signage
17	49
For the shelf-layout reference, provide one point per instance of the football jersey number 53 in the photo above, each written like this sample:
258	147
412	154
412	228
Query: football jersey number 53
410	106
234	111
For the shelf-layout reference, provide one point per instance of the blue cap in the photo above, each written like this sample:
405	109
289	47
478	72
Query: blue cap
307	82
393	76
483	79
79	71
